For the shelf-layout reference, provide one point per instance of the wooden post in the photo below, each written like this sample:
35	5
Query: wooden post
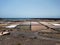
30	24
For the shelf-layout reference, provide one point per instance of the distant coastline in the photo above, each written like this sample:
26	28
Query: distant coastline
29	18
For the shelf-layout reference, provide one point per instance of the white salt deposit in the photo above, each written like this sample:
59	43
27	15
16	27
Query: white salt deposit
56	24
11	26
3	33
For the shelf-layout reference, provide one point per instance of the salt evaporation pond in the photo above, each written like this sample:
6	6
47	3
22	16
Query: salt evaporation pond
34	23
28	23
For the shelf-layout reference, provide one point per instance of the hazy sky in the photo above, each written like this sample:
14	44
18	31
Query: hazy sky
30	8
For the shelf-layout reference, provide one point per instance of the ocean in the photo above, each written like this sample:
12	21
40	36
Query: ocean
17	19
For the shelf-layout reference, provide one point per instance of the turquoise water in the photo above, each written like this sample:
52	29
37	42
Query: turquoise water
17	18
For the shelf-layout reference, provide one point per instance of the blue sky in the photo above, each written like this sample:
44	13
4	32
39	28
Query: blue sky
29	8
